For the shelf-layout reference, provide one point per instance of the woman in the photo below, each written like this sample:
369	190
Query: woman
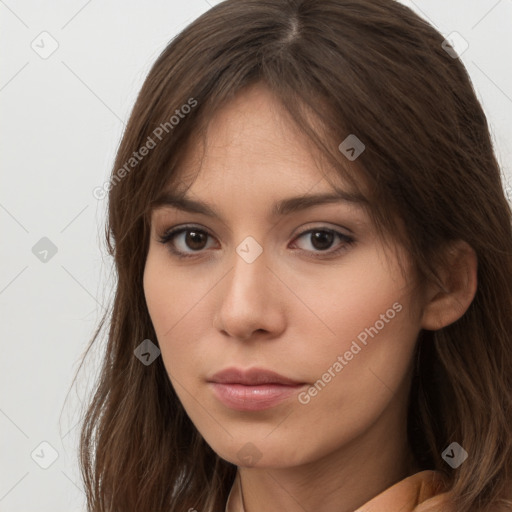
314	259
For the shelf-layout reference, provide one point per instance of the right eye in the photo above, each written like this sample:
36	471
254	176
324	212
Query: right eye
194	239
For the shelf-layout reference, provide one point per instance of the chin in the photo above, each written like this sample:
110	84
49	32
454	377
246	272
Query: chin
259	453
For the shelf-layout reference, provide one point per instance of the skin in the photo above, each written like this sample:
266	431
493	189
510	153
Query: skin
292	314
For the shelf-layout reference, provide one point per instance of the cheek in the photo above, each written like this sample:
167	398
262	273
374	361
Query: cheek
160	296
169	294
366	338
174	302
362	297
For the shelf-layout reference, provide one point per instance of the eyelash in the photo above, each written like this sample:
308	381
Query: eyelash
170	234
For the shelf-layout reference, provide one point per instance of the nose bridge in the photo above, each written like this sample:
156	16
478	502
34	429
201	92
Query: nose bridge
249	250
245	304
249	267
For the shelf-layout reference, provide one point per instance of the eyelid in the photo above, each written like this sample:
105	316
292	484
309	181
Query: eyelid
324	227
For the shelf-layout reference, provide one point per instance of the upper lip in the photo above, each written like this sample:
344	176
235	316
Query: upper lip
251	377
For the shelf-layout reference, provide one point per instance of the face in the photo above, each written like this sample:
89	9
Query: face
308	293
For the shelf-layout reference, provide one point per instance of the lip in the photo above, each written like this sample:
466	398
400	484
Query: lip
253	389
251	377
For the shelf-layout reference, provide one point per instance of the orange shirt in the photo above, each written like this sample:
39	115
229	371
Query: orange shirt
425	491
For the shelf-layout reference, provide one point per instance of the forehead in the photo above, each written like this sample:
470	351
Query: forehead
252	142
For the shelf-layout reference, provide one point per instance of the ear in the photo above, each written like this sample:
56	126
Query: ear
447	303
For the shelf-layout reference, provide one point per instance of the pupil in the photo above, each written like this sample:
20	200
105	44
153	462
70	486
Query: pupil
325	239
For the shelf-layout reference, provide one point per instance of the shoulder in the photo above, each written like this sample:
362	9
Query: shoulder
442	500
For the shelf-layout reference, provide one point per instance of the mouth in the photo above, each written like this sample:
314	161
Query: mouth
252	390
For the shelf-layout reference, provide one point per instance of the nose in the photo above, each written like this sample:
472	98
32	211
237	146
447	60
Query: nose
250	301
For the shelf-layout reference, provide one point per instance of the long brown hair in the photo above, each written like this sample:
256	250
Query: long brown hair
372	68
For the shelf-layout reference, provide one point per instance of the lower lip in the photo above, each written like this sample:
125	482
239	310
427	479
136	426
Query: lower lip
253	398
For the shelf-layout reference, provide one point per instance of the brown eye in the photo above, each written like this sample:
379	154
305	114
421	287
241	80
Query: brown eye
195	239
185	241
322	239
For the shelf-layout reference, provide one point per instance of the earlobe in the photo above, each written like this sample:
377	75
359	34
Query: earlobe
459	279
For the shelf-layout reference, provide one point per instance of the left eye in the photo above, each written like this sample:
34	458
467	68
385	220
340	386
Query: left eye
321	239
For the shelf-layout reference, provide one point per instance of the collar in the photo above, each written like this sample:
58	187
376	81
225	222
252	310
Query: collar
415	493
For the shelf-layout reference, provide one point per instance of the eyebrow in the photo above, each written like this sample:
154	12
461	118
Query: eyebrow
279	209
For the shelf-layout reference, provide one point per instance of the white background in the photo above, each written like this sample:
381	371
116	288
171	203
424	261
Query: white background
61	122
